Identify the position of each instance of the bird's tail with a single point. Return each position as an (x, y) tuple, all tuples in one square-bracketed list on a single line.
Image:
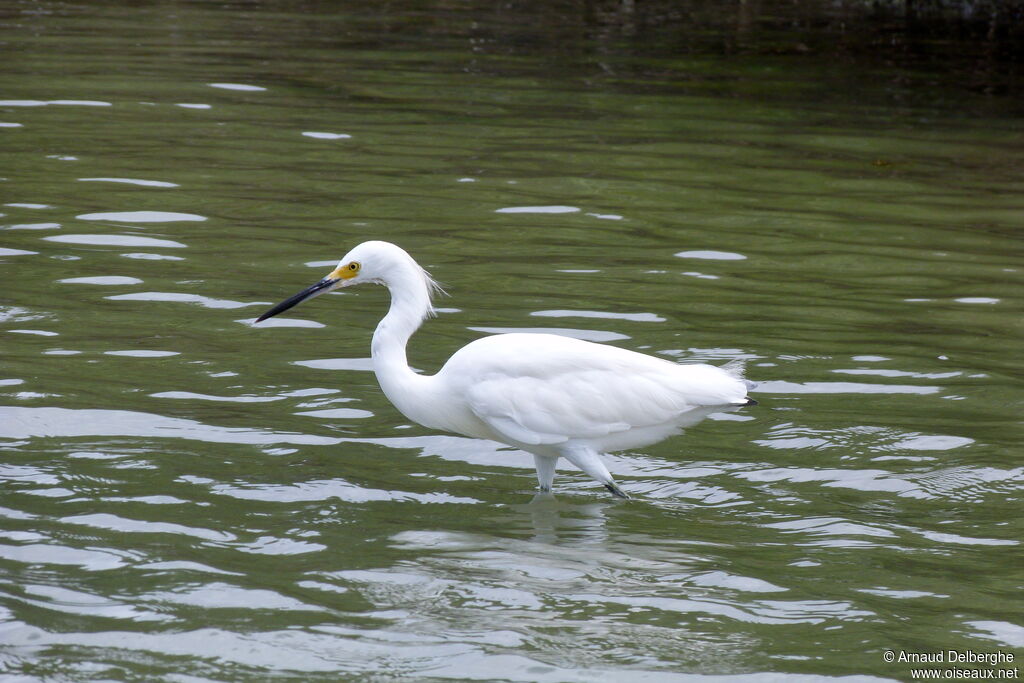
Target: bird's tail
[(737, 367)]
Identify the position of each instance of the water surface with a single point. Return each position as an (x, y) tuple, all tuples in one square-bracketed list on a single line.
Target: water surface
[(189, 497)]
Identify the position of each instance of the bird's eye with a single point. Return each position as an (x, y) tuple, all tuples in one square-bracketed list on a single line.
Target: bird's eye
[(354, 267)]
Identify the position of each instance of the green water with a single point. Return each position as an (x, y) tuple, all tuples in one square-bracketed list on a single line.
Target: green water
[(187, 497)]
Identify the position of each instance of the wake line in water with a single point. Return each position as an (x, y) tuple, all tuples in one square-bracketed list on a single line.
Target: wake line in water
[(25, 423)]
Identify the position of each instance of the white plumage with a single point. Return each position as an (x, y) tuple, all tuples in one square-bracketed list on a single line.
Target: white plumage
[(550, 395)]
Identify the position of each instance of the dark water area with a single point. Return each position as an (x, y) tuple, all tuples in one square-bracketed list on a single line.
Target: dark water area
[(897, 50), (830, 192)]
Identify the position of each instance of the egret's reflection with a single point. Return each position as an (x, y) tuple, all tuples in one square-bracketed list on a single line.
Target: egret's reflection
[(557, 521)]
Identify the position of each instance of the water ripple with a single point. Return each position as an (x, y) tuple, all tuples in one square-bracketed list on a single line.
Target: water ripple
[(128, 181), (237, 86), (24, 423), (632, 317), (333, 489), (193, 396), (357, 364), (712, 255), (43, 103), (178, 297), (538, 209), (115, 241), (141, 216), (122, 525), (85, 604), (786, 387), (107, 280), (327, 136)]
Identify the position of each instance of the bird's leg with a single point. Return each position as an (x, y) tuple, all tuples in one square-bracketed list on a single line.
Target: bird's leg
[(545, 471), (589, 460)]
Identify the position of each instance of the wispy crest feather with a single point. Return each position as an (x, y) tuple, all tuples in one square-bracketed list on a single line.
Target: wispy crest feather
[(434, 289)]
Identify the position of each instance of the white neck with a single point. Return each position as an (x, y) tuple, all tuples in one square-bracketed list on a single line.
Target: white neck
[(410, 304)]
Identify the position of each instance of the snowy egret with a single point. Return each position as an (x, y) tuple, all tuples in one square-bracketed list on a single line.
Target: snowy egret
[(546, 394)]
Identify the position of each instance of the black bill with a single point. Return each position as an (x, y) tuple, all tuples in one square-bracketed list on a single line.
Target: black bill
[(317, 289)]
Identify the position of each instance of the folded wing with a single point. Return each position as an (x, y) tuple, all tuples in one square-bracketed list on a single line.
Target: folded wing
[(547, 389)]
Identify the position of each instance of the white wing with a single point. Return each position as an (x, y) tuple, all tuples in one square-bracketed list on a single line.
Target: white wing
[(548, 389)]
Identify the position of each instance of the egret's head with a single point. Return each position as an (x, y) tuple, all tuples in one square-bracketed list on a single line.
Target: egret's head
[(375, 262)]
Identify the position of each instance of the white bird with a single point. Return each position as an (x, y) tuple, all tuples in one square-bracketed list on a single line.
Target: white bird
[(552, 396)]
